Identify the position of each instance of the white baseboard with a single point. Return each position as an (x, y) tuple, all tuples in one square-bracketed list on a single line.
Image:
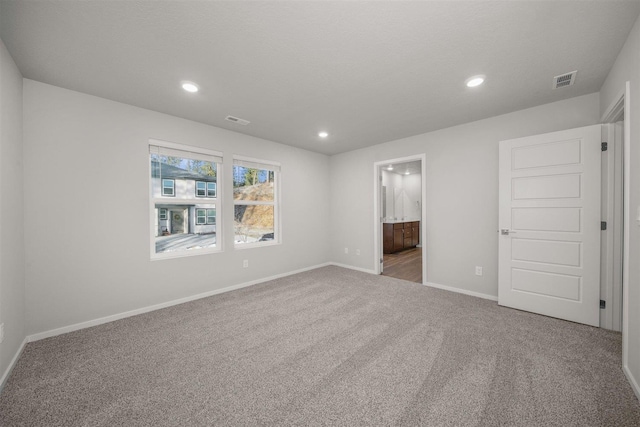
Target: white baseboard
[(351, 267), (107, 319), (462, 291), (632, 381), (7, 372), (433, 285)]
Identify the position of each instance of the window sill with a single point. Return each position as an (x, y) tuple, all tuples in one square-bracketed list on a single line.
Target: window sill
[(242, 246), (183, 254)]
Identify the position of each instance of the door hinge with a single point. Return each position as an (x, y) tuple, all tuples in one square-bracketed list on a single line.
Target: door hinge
[(604, 146), (603, 304), (603, 225)]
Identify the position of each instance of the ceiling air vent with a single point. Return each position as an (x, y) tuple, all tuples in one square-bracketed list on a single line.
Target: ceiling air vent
[(237, 120), (563, 80)]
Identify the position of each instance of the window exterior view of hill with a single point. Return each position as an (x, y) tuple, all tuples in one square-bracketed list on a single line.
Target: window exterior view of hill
[(254, 205)]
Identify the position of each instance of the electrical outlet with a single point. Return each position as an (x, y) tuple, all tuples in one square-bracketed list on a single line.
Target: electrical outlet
[(1, 332), (245, 263), (478, 271), (357, 251), (346, 250)]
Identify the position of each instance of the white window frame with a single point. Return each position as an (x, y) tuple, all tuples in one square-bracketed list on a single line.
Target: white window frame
[(189, 152), (277, 217), (162, 217)]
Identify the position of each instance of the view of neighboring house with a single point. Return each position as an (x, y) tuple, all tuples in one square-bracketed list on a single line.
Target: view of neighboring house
[(175, 183)]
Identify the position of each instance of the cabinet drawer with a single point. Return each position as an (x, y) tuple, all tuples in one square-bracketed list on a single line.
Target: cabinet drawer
[(399, 225)]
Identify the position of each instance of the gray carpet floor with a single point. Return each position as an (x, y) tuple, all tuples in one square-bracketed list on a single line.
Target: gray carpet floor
[(325, 347)]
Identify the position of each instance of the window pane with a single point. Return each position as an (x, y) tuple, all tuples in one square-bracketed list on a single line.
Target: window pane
[(253, 223), (253, 184), (184, 228), (180, 177)]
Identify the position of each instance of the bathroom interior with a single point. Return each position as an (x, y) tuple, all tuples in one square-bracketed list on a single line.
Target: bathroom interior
[(401, 194)]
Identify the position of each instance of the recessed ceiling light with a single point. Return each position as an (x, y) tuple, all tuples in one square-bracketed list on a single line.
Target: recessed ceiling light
[(323, 134), (190, 87), (390, 168), (474, 81), (406, 173)]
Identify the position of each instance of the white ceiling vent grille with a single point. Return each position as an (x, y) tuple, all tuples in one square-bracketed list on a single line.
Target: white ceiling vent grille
[(238, 120), (564, 80)]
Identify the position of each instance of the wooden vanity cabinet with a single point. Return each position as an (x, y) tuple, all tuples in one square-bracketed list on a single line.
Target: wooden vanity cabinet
[(400, 235)]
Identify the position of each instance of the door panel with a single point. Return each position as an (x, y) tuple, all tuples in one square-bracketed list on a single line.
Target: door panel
[(546, 187), (549, 259), (547, 251), (546, 219)]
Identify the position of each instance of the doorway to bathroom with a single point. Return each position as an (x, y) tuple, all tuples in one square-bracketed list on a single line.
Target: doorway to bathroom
[(400, 226)]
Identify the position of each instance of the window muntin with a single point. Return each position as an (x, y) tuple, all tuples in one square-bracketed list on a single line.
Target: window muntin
[(168, 187), (255, 195), (183, 223)]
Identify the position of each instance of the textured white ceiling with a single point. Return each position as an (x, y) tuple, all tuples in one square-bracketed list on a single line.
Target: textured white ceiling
[(367, 72)]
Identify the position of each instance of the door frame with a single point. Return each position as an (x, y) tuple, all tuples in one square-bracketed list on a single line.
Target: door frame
[(612, 212), (377, 210), (621, 107)]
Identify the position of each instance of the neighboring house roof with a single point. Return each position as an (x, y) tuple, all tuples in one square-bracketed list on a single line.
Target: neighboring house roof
[(173, 172)]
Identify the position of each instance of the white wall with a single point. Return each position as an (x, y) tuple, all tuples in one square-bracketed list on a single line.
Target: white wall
[(462, 191), (12, 304), (87, 209), (627, 68)]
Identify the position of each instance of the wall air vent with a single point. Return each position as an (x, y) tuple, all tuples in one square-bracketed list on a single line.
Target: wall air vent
[(563, 80), (237, 120)]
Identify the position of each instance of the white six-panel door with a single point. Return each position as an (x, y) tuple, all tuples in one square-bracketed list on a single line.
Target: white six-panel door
[(549, 220)]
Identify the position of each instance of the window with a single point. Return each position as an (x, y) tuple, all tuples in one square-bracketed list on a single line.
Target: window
[(211, 216), (201, 216), (201, 188), (168, 187), (180, 177), (205, 189), (211, 189), (205, 216), (256, 202)]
